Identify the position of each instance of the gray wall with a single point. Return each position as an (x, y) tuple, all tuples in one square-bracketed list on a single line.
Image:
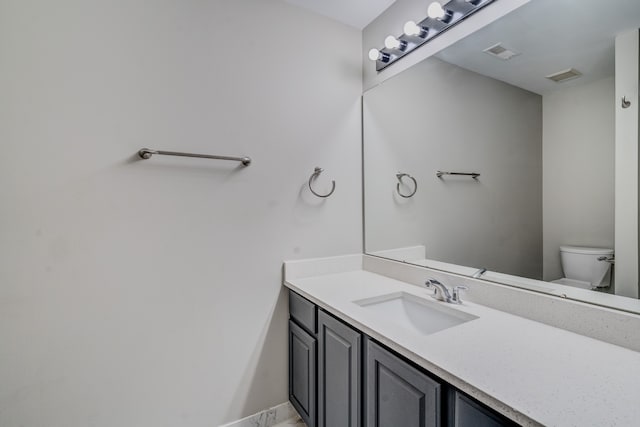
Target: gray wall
[(437, 116), (578, 170), (148, 293)]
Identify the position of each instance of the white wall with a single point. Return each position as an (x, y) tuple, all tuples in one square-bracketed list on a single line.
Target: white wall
[(392, 21), (578, 170), (437, 116), (148, 293), (627, 158)]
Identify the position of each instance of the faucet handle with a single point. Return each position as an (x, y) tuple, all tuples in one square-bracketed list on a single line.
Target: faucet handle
[(456, 294)]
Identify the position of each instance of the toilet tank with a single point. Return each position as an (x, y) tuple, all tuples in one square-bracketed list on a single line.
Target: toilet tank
[(581, 263)]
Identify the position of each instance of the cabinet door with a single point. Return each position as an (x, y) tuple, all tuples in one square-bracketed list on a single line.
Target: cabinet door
[(397, 394), (339, 373), (466, 412), (302, 373)]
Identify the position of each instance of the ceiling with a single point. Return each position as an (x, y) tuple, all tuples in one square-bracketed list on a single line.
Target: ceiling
[(355, 13), (552, 36)]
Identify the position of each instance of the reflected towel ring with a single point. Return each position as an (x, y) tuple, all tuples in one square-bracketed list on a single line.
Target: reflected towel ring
[(400, 175), (316, 172)]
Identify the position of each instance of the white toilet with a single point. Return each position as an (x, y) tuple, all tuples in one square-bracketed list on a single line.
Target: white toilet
[(582, 269)]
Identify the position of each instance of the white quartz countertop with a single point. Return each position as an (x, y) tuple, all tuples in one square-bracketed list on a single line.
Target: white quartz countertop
[(533, 373)]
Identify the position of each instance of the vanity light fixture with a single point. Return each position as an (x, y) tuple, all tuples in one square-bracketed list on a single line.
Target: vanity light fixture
[(413, 29), (376, 55), (436, 11), (393, 43), (441, 15)]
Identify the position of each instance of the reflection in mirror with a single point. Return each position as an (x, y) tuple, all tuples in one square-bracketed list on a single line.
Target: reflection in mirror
[(526, 117)]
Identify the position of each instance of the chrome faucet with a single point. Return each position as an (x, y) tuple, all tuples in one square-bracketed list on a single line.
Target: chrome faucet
[(479, 273), (441, 292)]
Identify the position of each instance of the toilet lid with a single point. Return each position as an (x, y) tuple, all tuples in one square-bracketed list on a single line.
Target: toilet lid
[(586, 251)]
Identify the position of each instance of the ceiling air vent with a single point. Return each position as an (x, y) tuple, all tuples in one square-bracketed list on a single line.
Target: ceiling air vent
[(501, 52), (563, 76)]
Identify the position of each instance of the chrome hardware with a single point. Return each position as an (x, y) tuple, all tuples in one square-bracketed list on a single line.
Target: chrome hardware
[(316, 172), (479, 273), (625, 102), (455, 298), (429, 28), (146, 153), (610, 260), (441, 292), (400, 175), (473, 175)]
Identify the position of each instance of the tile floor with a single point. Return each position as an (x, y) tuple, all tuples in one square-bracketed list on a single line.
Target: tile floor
[(292, 422)]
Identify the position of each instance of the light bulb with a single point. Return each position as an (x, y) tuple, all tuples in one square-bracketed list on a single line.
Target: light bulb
[(435, 11), (374, 54), (413, 29), (391, 42)]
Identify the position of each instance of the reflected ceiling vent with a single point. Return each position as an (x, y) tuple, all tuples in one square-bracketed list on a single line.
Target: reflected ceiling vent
[(563, 76), (501, 52)]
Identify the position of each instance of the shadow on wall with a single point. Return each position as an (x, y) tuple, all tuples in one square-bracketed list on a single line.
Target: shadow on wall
[(260, 372), (309, 207)]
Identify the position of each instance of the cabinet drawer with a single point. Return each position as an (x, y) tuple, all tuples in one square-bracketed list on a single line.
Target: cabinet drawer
[(466, 412), (303, 312)]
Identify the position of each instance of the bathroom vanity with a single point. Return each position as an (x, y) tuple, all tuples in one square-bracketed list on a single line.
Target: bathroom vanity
[(492, 175), (366, 349), (351, 371)]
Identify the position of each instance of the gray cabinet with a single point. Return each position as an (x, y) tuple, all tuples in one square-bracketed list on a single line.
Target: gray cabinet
[(303, 312), (338, 377), (397, 394), (466, 412), (302, 373), (339, 373)]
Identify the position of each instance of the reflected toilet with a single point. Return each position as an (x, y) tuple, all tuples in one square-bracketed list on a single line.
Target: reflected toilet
[(583, 269)]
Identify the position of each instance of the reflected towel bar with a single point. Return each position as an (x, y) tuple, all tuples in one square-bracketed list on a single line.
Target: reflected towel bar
[(401, 175), (146, 153), (473, 175)]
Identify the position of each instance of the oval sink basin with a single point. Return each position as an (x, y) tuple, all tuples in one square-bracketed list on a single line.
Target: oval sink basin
[(415, 313)]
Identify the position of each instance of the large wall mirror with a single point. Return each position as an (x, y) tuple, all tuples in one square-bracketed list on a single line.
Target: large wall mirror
[(512, 154)]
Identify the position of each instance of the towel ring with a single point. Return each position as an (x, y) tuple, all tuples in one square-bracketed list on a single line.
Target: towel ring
[(415, 184), (316, 172)]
